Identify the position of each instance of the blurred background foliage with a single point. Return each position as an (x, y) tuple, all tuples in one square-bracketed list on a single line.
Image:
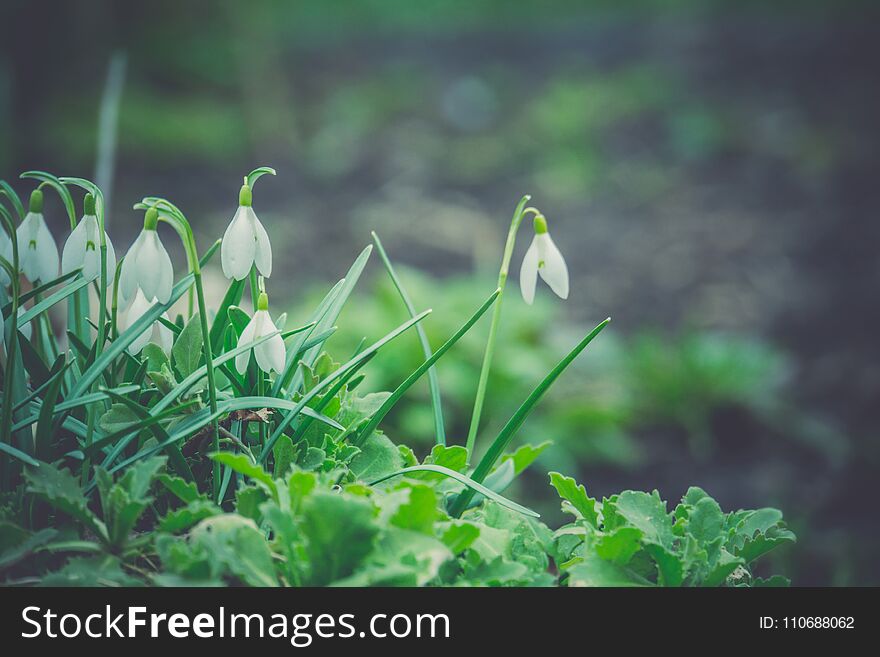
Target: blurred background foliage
[(707, 167)]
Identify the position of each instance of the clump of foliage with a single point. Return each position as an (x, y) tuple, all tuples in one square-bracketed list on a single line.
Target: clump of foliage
[(146, 451)]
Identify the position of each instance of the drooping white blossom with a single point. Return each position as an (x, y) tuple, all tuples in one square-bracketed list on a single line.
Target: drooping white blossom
[(37, 252), (147, 265), (543, 258), (270, 354), (83, 248), (156, 332), (245, 242)]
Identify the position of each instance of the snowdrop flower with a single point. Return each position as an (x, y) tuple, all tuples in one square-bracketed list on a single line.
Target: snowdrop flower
[(37, 253), (245, 242), (545, 259), (147, 265), (83, 248), (157, 333), (270, 354)]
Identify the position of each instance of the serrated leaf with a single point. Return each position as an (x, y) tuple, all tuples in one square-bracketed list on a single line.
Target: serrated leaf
[(243, 465), (593, 571), (576, 495), (419, 512), (187, 516), (459, 535), (647, 513)]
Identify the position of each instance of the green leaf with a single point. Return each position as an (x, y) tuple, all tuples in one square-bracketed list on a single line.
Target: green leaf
[(705, 520), (433, 383), (17, 543), (243, 465), (670, 569), (421, 369), (454, 457), (462, 479), (582, 505), (647, 513), (185, 517), (419, 512), (155, 357), (620, 545), (185, 491), (339, 530), (187, 349), (61, 490), (237, 546), (502, 440), (459, 535), (284, 453), (525, 455), (117, 418), (594, 571), (378, 457)]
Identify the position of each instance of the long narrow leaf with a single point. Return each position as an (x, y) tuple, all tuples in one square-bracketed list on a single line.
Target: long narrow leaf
[(496, 449), (395, 396), (51, 300), (326, 383), (433, 383), (473, 486)]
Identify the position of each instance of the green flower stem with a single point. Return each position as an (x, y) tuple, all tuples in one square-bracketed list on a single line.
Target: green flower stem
[(178, 221), (518, 215), (11, 346)]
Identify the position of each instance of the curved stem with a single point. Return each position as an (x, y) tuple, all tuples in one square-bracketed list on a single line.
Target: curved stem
[(184, 230), (9, 373), (515, 222)]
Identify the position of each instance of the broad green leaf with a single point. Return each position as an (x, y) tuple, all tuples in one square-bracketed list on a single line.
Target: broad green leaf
[(284, 453), (647, 513), (705, 520), (419, 512), (378, 457), (339, 531), (594, 571), (525, 455), (459, 535), (187, 349), (620, 545), (187, 516)]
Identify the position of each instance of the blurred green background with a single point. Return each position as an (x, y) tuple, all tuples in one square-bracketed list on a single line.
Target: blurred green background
[(708, 168)]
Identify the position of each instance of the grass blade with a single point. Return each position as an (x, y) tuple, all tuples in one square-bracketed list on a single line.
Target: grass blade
[(366, 353), (433, 383), (51, 300), (496, 449), (473, 486), (389, 403)]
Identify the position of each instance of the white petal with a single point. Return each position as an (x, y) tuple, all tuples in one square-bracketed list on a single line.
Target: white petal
[(74, 249), (270, 354), (91, 264), (239, 246), (47, 253), (138, 307), (166, 274), (554, 272), (162, 335), (111, 261), (128, 276), (241, 361), (154, 271), (263, 254), (27, 255), (528, 272)]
